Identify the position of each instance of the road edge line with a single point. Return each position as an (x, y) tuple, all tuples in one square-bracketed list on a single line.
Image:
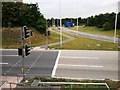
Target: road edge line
[(56, 64), (60, 77)]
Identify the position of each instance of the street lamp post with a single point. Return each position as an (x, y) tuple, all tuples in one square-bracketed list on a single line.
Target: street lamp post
[(77, 18), (77, 27), (117, 11), (115, 29), (47, 34), (60, 23), (61, 32)]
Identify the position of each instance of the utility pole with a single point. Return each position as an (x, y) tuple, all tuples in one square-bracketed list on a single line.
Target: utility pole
[(77, 18), (60, 23), (117, 11), (115, 29), (77, 27), (47, 34), (61, 32)]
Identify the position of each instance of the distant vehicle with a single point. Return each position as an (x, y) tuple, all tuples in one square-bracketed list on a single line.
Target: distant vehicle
[(59, 28), (69, 24)]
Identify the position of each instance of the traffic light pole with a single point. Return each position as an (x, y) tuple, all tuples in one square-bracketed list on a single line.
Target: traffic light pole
[(47, 35), (25, 49), (23, 55)]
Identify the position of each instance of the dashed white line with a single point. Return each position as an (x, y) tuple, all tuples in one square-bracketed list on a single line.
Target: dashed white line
[(12, 67), (7, 71), (34, 62), (70, 65), (56, 64)]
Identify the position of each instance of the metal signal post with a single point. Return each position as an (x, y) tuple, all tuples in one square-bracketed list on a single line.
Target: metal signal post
[(25, 49)]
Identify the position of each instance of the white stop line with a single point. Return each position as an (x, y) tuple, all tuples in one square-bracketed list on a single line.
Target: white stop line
[(79, 57), (70, 65), (4, 63)]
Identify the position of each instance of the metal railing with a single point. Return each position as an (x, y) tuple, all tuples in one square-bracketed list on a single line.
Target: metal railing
[(74, 83)]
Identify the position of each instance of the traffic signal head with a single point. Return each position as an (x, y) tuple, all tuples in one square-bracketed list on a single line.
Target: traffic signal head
[(48, 33), (26, 32), (31, 33), (20, 52), (27, 50)]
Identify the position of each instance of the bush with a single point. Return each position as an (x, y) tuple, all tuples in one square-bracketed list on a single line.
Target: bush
[(106, 26), (41, 25)]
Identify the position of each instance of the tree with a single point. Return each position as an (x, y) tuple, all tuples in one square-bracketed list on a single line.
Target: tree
[(41, 25), (106, 26), (99, 20), (19, 14), (91, 21)]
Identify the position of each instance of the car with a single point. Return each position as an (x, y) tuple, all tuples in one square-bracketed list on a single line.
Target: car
[(59, 28)]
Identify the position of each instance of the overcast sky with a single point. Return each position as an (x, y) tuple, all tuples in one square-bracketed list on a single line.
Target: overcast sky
[(74, 8)]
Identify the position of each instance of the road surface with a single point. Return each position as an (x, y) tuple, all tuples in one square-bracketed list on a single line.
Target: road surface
[(78, 64), (38, 63), (86, 64)]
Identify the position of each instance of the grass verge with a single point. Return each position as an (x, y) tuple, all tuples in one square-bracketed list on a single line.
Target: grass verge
[(95, 30), (82, 43), (11, 38), (112, 84)]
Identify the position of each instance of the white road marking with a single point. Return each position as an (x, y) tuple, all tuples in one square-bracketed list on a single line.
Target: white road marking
[(56, 64), (34, 62), (10, 55), (70, 65), (79, 57), (13, 67), (4, 63), (8, 71)]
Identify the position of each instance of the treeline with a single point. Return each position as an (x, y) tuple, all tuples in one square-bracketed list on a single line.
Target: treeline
[(19, 14), (56, 22), (105, 21)]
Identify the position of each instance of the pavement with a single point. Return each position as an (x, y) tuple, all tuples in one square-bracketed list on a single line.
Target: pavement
[(8, 82), (69, 38)]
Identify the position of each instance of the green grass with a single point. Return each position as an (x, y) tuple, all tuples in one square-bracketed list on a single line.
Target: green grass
[(112, 84), (94, 30), (82, 43), (11, 38)]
